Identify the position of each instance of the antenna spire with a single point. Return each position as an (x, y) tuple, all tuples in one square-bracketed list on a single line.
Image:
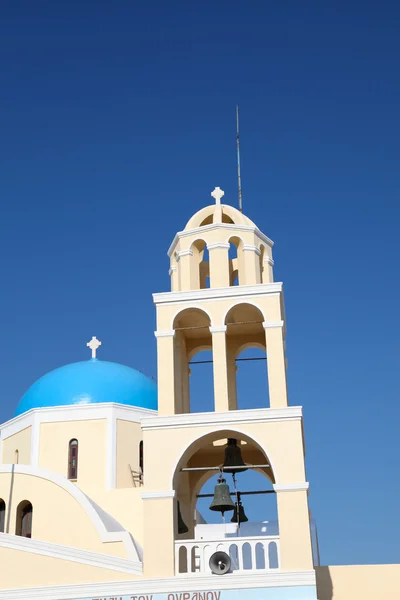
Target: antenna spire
[(240, 197)]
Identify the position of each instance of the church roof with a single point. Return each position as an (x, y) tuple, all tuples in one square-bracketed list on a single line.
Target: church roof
[(90, 382)]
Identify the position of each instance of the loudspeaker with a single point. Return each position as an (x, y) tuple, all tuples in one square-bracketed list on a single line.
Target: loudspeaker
[(220, 563)]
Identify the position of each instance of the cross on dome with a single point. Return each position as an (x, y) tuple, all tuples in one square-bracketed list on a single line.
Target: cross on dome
[(93, 345), (217, 194)]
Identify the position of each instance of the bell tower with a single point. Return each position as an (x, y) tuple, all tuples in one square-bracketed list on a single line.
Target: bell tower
[(223, 298)]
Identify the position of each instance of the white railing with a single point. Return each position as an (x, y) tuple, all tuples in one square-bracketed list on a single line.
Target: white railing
[(247, 554)]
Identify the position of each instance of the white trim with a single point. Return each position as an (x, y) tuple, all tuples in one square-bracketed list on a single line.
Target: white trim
[(161, 334), (171, 270), (271, 579), (252, 249), (35, 433), (181, 253), (272, 324), (158, 494), (269, 260), (84, 557), (231, 228), (108, 528), (218, 245), (231, 417), (218, 329), (111, 455), (233, 291), (291, 487)]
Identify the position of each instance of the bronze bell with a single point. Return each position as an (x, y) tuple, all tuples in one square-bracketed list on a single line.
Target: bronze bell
[(233, 462), (182, 527), (239, 517), (222, 501)]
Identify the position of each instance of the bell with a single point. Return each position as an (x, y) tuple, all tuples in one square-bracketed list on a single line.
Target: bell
[(182, 527), (239, 517), (233, 462), (222, 500)]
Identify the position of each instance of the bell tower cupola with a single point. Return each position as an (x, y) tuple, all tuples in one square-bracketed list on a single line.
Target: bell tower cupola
[(223, 298)]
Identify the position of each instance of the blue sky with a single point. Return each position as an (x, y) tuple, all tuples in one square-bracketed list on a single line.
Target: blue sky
[(117, 120)]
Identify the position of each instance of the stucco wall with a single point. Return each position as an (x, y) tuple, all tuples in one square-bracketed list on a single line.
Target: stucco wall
[(359, 582), (129, 435), (20, 441), (23, 569), (92, 439)]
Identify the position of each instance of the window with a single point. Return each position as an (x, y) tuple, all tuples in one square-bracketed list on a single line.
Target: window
[(141, 458), (2, 515), (24, 519), (73, 460)]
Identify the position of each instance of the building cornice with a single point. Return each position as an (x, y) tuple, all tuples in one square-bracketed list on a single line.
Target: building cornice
[(291, 487), (152, 495), (229, 227), (234, 291), (232, 417), (272, 579)]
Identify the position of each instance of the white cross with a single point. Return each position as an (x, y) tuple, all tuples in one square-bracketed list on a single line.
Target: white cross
[(217, 194), (93, 345)]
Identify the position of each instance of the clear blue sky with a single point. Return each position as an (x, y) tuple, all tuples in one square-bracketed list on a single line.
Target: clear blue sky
[(117, 119)]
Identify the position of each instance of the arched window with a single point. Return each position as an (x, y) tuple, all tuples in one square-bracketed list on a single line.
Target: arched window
[(141, 462), (24, 519), (2, 515), (73, 459)]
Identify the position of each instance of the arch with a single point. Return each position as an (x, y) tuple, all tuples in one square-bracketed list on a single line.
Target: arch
[(23, 526), (199, 265), (73, 447), (108, 528), (230, 215), (181, 310), (236, 261), (141, 459), (261, 257), (248, 302), (216, 434), (2, 515), (192, 335)]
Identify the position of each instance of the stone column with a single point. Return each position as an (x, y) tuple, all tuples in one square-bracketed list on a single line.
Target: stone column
[(166, 371), (276, 364), (158, 534), (219, 264), (221, 397), (295, 550)]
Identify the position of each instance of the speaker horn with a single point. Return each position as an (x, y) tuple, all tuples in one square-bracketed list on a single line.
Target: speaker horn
[(220, 563)]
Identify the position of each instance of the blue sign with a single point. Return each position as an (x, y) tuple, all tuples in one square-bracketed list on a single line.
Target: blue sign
[(302, 592)]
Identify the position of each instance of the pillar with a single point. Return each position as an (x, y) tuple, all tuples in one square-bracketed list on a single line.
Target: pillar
[(220, 371), (276, 364), (251, 265), (232, 369), (219, 264), (185, 264), (158, 534), (295, 550), (268, 273), (165, 370)]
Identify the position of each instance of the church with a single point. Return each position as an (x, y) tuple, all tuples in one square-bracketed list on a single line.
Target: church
[(89, 507)]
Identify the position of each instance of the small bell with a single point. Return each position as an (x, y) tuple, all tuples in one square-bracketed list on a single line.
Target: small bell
[(182, 527), (239, 517), (222, 501), (233, 462)]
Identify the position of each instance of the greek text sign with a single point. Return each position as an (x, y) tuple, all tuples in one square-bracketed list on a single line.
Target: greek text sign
[(275, 593)]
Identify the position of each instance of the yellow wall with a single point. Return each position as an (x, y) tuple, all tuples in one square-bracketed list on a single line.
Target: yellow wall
[(359, 582), (20, 441), (91, 436), (23, 569), (57, 515), (128, 437)]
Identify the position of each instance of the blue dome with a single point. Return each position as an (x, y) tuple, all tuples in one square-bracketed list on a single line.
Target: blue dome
[(90, 382)]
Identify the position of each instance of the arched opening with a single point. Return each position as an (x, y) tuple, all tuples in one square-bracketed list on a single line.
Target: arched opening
[(199, 265), (194, 482), (246, 357), (235, 261), (262, 255), (141, 460), (73, 459), (192, 343), (2, 515), (24, 519)]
